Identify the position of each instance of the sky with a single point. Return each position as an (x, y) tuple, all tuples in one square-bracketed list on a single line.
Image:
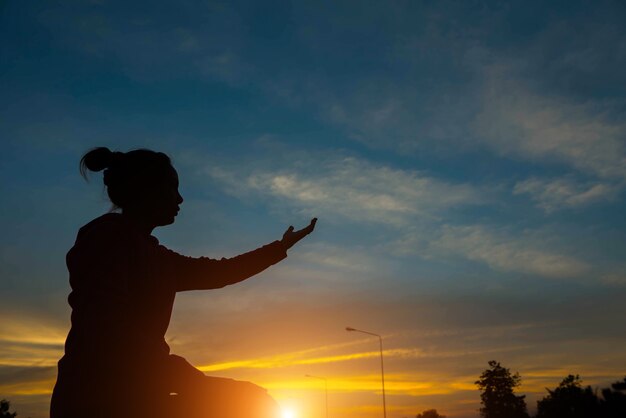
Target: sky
[(466, 161)]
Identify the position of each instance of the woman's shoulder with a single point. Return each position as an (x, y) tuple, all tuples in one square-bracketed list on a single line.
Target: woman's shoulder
[(109, 225), (103, 222), (99, 237), (109, 237), (113, 226)]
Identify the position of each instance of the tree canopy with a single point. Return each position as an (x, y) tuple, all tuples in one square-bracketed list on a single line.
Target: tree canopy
[(498, 399), (613, 404), (430, 413), (569, 400), (4, 409)]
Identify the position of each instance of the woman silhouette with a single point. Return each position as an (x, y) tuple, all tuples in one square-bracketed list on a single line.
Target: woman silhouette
[(116, 362)]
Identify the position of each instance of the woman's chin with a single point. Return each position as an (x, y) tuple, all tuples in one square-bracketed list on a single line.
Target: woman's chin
[(167, 221)]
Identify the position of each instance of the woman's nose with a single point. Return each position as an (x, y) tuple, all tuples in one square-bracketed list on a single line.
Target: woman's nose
[(180, 198)]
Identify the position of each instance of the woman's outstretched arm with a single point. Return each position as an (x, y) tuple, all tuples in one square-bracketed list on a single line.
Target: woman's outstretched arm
[(191, 273)]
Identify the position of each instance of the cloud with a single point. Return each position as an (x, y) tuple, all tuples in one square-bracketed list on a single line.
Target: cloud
[(418, 208), (354, 189), (30, 341), (29, 354), (553, 99), (617, 279), (357, 260), (515, 120), (561, 193), (286, 359), (305, 358), (504, 252), (395, 384), (27, 380)]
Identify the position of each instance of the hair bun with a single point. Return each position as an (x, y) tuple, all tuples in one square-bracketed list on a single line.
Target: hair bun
[(98, 159)]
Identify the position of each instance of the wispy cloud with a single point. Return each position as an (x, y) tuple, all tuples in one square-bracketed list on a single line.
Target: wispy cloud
[(27, 380), (517, 121), (396, 384), (347, 259), (355, 189), (282, 359), (505, 252), (30, 342), (616, 278), (289, 360), (419, 209), (554, 194), (311, 357)]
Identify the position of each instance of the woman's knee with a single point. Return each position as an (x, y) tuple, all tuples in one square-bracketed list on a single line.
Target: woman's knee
[(227, 397)]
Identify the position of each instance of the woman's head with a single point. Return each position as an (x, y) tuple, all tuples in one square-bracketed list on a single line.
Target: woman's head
[(140, 182)]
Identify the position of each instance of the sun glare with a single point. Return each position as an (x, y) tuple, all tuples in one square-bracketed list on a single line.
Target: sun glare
[(288, 413)]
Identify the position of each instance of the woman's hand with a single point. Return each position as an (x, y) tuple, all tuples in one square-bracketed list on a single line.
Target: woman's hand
[(290, 237)]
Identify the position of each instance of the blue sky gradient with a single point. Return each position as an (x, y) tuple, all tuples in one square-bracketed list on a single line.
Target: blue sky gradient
[(466, 161)]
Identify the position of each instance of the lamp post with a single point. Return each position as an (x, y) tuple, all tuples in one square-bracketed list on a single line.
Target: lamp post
[(325, 388), (382, 368)]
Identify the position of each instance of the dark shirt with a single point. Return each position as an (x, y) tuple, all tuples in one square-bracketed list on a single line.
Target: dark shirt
[(123, 287)]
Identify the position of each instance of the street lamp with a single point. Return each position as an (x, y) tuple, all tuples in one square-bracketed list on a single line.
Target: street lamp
[(382, 368), (325, 388)]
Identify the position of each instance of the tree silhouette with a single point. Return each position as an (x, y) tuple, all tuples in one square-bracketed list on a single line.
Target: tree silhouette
[(430, 413), (4, 409), (613, 404), (569, 400), (497, 397)]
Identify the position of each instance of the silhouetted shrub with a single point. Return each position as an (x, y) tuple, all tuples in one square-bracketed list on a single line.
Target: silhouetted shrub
[(4, 409), (613, 404), (569, 400), (430, 413), (498, 399)]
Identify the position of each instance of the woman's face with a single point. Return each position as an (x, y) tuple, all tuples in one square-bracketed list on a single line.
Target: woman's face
[(161, 202)]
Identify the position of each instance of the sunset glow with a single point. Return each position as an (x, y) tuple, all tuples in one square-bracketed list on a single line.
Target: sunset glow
[(466, 162), (288, 413)]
